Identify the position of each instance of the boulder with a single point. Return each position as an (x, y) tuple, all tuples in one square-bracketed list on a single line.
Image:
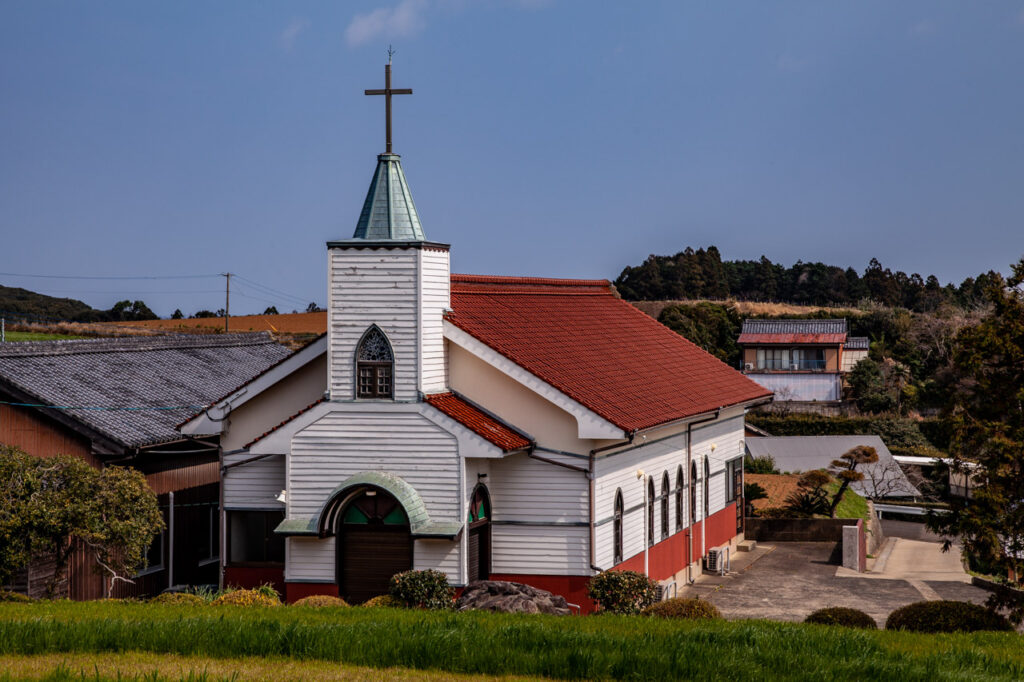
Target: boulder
[(506, 597)]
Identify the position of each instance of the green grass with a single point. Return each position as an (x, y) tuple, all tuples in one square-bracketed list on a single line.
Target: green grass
[(38, 336), (852, 506), (604, 647)]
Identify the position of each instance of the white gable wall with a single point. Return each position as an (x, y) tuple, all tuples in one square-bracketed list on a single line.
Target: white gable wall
[(435, 297)]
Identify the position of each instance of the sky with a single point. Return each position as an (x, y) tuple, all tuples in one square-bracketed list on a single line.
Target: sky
[(544, 137)]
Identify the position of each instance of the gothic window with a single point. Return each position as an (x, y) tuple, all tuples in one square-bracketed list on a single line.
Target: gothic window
[(707, 479), (650, 512), (693, 492), (664, 505), (375, 366), (617, 541), (679, 498)]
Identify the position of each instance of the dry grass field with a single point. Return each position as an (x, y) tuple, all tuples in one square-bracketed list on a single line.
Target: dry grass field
[(654, 308), (287, 323)]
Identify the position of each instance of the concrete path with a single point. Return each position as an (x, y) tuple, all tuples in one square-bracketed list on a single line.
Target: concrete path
[(913, 560)]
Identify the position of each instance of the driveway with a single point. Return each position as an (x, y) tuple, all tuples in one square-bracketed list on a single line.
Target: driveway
[(789, 580)]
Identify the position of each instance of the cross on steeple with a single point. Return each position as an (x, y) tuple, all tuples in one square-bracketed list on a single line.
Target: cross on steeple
[(387, 92)]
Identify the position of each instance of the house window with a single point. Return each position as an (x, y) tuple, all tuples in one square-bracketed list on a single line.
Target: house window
[(679, 498), (693, 492), (208, 530), (707, 480), (252, 537), (154, 556), (375, 366), (617, 541), (809, 358), (732, 467), (664, 505), (773, 358), (650, 512)]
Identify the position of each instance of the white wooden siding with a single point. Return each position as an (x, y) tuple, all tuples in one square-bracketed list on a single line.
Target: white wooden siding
[(435, 297), (358, 438), (727, 436), (374, 286), (537, 550), (254, 485), (524, 489), (310, 559), (440, 555)]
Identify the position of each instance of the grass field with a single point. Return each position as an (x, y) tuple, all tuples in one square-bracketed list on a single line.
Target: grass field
[(595, 647), (38, 336)]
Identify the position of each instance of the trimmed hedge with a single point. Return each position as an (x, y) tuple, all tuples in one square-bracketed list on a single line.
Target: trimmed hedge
[(681, 607), (900, 432), (427, 589), (321, 601), (178, 598), (623, 592), (8, 596), (946, 616), (843, 617), (257, 597), (383, 601)]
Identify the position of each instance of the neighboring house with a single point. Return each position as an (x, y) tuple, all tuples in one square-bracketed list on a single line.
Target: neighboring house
[(526, 429), (117, 401), (798, 454), (800, 360)]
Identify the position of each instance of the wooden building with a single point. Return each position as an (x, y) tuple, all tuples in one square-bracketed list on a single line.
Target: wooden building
[(117, 401)]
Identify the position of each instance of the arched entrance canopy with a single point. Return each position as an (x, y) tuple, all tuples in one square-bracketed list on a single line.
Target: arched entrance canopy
[(324, 523)]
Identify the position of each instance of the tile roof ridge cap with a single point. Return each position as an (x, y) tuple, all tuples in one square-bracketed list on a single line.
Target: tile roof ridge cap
[(541, 281)]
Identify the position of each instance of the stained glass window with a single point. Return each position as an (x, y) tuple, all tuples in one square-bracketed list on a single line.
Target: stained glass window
[(375, 507), (479, 506), (375, 365)]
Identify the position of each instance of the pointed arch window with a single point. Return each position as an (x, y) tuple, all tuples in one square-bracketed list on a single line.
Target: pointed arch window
[(679, 498), (693, 492), (707, 479), (375, 365), (650, 512), (664, 505), (617, 525)]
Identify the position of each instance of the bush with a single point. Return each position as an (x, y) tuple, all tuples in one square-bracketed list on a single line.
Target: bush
[(843, 617), (945, 616), (383, 601), (8, 596), (683, 608), (760, 465), (257, 597), (422, 589), (321, 600), (178, 598), (622, 591)]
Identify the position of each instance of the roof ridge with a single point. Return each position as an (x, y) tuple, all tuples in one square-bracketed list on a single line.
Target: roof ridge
[(132, 344), (540, 281)]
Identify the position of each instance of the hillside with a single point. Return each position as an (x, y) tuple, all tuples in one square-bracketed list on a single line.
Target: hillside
[(40, 306)]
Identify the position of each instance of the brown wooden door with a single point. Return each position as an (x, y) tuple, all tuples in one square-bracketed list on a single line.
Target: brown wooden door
[(368, 557), (479, 560)]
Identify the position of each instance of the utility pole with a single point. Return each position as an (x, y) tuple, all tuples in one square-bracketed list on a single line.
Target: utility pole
[(227, 298), (3, 329)]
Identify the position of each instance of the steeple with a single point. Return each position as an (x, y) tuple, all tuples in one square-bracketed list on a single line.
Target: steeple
[(389, 212)]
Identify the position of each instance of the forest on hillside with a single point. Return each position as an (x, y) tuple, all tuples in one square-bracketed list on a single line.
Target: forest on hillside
[(21, 304), (702, 274)]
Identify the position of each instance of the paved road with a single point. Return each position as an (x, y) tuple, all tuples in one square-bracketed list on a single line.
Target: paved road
[(792, 579)]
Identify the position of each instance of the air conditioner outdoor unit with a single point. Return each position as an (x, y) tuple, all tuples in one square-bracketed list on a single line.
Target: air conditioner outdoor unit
[(715, 561), (748, 366), (667, 590), (794, 366)]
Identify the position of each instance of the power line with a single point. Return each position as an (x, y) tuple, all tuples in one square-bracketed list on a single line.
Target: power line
[(91, 276), (271, 290)]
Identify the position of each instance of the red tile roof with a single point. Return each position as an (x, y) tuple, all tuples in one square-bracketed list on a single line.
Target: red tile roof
[(478, 421), (578, 336), (771, 339)]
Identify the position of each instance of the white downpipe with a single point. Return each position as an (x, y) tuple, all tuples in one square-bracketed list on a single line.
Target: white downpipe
[(643, 481), (704, 519), (170, 540)]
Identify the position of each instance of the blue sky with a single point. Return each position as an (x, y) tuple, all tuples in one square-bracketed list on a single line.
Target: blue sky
[(550, 138)]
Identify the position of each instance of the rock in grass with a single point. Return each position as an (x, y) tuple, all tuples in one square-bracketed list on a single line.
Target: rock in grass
[(507, 597)]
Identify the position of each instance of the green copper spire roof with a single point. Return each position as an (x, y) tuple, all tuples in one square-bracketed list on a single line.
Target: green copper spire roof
[(389, 211)]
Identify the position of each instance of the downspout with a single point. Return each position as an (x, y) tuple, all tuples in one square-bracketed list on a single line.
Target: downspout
[(693, 491), (221, 520), (591, 458), (170, 544)]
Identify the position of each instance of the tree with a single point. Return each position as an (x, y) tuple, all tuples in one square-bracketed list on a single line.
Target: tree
[(131, 310), (177, 314), (52, 505), (711, 326), (811, 495), (272, 310), (314, 308), (845, 469), (204, 313), (987, 417)]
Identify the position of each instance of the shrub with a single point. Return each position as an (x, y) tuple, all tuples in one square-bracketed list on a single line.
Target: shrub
[(427, 589), (383, 601), (945, 616), (622, 591), (8, 596), (764, 464), (178, 598), (843, 617), (321, 600), (683, 608), (257, 597)]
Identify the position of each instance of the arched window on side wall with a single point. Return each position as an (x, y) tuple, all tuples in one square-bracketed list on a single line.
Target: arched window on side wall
[(707, 478), (679, 498), (375, 365), (617, 529), (650, 512), (693, 492), (664, 505)]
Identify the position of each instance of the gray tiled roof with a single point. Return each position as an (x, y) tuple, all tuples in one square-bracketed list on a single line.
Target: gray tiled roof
[(857, 343), (794, 326), (182, 371)]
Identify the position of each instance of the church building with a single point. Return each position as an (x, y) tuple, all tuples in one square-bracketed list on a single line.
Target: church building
[(513, 428)]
